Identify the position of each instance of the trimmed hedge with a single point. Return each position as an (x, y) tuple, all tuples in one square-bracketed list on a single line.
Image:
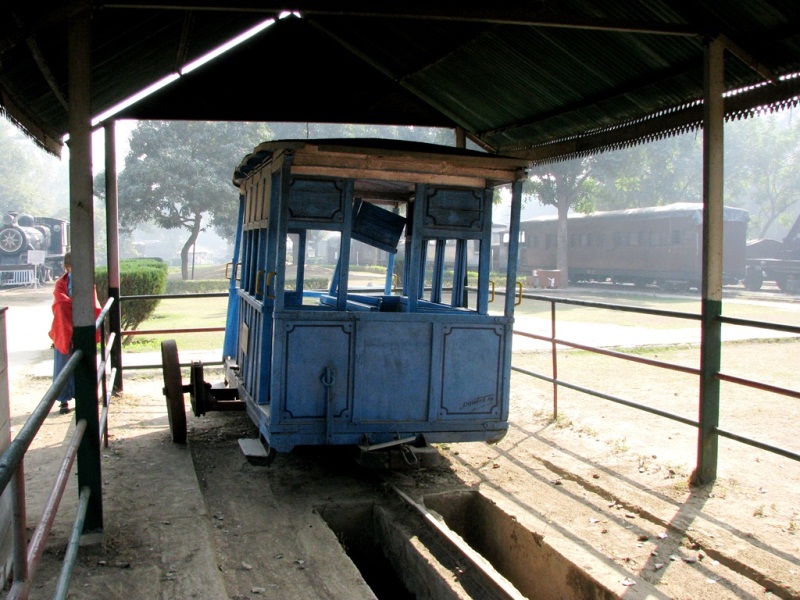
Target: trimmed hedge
[(211, 286), (197, 286), (137, 277)]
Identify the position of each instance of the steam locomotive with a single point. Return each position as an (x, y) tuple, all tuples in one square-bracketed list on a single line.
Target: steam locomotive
[(21, 233)]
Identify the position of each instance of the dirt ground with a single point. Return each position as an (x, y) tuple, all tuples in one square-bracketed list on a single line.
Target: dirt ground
[(605, 485)]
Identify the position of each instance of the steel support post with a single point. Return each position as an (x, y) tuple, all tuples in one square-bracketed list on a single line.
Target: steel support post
[(82, 232), (711, 339), (112, 241)]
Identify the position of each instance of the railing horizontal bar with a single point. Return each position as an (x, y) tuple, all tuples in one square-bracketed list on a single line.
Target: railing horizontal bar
[(182, 365), (759, 386), (760, 324), (109, 344), (103, 422), (171, 296), (71, 555), (98, 322), (591, 392), (16, 450), (42, 531), (757, 444), (162, 331), (613, 353), (101, 371), (605, 305)]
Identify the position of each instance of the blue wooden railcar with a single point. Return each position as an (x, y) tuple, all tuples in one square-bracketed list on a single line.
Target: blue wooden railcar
[(419, 357)]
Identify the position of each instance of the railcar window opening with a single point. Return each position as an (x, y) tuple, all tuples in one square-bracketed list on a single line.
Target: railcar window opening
[(675, 237), (446, 274), (522, 242)]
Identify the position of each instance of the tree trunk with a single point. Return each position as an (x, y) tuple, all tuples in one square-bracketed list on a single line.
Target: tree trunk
[(195, 232), (562, 260)]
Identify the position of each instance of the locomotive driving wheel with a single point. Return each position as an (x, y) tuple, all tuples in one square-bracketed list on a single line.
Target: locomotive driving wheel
[(11, 240), (173, 390)]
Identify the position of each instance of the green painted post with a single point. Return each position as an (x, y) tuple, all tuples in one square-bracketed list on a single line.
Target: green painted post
[(708, 439), (82, 244), (86, 407), (711, 338)]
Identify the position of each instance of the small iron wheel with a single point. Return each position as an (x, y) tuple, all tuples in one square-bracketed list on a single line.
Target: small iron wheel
[(173, 390)]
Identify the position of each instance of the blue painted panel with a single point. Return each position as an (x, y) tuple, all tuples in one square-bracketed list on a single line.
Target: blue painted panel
[(313, 200), (454, 209), (377, 227), (309, 349), (392, 371), (472, 366)]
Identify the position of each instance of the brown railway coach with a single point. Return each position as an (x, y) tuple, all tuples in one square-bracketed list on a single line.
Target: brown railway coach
[(659, 245)]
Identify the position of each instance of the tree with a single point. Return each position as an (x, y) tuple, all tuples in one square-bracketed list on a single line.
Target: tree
[(565, 185), (652, 174), (763, 160), (31, 181), (177, 175)]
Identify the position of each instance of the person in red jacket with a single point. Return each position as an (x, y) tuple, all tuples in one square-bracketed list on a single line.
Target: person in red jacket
[(61, 331)]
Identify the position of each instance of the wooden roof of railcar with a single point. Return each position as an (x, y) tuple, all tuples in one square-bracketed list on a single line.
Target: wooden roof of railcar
[(386, 165)]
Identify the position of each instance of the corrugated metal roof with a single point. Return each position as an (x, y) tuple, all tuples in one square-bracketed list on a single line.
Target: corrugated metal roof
[(540, 79)]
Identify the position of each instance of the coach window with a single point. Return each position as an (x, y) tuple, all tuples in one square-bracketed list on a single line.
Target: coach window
[(676, 237)]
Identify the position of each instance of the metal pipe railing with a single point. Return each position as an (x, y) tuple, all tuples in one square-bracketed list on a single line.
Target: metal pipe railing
[(21, 588), (555, 342), (27, 555), (15, 453), (71, 556)]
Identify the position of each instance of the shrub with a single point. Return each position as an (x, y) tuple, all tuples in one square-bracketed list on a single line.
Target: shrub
[(197, 286), (137, 277)]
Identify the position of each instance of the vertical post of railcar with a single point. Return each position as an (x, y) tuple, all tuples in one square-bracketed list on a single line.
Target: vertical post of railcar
[(231, 340), (344, 240), (414, 250), (485, 255), (387, 286), (112, 241), (711, 338), (82, 219), (513, 247)]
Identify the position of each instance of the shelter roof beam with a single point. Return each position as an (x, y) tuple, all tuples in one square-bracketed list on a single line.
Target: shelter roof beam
[(438, 10)]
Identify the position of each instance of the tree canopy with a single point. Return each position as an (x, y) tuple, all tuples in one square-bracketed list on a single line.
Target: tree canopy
[(762, 156), (177, 176), (31, 181)]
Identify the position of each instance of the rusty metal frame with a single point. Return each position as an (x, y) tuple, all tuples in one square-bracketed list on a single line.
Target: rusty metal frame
[(718, 376)]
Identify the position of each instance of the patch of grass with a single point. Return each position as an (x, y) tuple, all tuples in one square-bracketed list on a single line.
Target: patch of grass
[(182, 313), (619, 446), (682, 485), (562, 421)]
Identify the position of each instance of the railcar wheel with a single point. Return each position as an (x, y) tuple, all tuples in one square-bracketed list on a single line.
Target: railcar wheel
[(173, 390), (753, 279)]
